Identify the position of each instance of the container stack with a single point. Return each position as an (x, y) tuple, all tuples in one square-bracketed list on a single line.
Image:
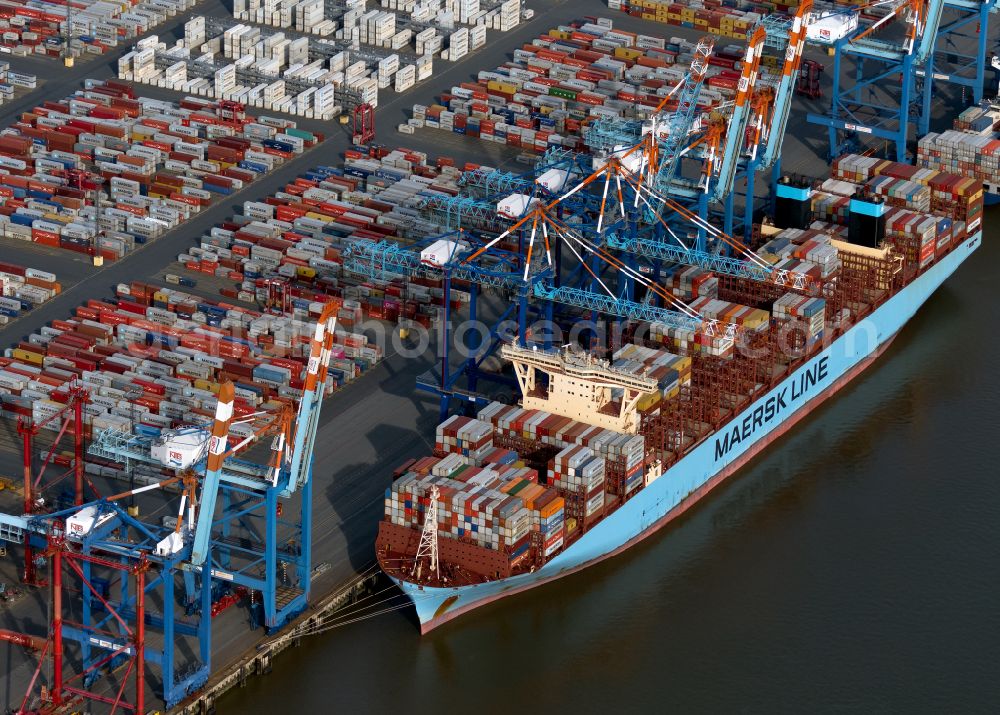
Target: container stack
[(578, 474), (23, 289), (803, 315), (968, 153), (569, 76), (466, 436), (472, 505), (157, 163), (299, 235), (732, 313), (671, 372), (248, 57), (37, 27), (957, 196), (689, 342), (690, 282), (178, 348), (458, 45), (303, 16), (11, 81)]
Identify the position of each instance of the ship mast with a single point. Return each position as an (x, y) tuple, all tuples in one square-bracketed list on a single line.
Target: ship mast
[(429, 537)]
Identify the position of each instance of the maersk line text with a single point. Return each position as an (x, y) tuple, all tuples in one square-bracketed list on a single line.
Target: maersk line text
[(772, 407)]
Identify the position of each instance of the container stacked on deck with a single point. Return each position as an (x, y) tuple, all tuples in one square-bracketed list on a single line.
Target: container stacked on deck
[(670, 371), (571, 75), (690, 282), (158, 162), (733, 313), (690, 341), (299, 235), (466, 436), (496, 507), (901, 192), (806, 251), (483, 493), (955, 205), (623, 454), (38, 26), (176, 349), (968, 153), (955, 195), (801, 314), (578, 474), (24, 288)]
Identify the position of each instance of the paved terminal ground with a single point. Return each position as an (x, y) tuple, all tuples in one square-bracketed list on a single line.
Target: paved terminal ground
[(374, 424)]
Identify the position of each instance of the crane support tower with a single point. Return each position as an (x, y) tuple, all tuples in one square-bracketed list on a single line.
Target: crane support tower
[(364, 124)]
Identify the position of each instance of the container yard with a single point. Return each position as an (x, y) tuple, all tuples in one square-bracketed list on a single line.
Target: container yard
[(553, 86), (39, 27), (161, 163), (294, 72), (289, 249), (226, 419)]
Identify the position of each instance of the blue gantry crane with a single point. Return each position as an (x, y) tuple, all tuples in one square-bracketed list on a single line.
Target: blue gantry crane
[(883, 87), (241, 524)]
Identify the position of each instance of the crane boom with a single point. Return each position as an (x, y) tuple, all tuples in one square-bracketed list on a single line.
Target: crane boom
[(213, 472), (786, 87), (928, 33), (307, 418), (678, 125), (736, 131)]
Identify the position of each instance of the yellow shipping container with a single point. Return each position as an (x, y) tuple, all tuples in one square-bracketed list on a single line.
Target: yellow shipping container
[(161, 296), (305, 272), (648, 401), (209, 385), (319, 217), (627, 53), (27, 356), (504, 87)]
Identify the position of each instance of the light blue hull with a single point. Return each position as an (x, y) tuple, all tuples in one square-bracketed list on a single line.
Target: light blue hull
[(715, 458)]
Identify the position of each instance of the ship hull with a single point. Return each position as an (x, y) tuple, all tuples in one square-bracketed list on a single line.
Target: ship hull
[(714, 459)]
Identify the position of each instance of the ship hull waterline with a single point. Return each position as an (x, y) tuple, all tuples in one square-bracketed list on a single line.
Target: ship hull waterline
[(714, 459)]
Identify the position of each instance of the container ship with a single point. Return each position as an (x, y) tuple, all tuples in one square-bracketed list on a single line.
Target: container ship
[(607, 447)]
